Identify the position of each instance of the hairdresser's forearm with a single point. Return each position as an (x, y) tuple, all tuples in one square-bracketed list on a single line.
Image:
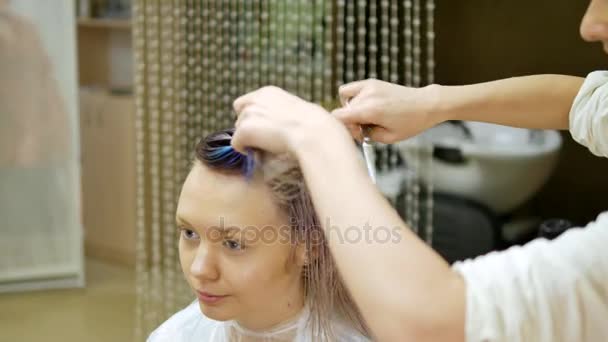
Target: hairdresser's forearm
[(539, 101), (403, 288)]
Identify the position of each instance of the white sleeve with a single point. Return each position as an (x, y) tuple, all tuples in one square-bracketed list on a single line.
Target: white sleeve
[(589, 114), (544, 291)]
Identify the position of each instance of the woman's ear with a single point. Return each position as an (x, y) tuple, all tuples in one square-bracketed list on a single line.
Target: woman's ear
[(302, 255), (306, 255), (306, 249)]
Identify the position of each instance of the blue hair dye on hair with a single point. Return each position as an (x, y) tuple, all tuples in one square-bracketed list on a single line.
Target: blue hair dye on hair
[(249, 165), (222, 156), (216, 151)]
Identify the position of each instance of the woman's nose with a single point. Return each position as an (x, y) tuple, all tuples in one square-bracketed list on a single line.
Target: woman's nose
[(594, 26), (204, 265)]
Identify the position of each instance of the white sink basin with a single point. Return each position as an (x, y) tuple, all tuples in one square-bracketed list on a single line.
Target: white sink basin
[(501, 167)]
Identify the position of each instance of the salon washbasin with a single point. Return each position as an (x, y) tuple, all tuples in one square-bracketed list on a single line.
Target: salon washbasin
[(498, 166)]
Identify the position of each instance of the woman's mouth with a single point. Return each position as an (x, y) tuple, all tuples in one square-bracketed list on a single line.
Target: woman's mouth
[(209, 298)]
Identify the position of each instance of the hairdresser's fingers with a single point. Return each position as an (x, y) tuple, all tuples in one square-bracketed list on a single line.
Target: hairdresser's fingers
[(355, 131), (361, 114), (248, 99), (248, 111), (382, 135), (256, 132), (266, 94), (243, 101), (377, 134), (350, 90)]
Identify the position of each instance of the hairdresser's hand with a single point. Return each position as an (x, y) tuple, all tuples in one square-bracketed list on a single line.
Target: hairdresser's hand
[(398, 112), (276, 121)]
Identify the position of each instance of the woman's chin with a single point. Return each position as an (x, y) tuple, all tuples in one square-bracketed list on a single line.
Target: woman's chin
[(217, 313)]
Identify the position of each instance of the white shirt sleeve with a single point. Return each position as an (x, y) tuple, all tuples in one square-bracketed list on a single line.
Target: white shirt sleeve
[(548, 290), (589, 114), (545, 291)]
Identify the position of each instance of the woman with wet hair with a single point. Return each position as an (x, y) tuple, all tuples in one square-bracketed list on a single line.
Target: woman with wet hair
[(252, 251)]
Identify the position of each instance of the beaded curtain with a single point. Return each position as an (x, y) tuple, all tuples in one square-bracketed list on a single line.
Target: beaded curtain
[(194, 57)]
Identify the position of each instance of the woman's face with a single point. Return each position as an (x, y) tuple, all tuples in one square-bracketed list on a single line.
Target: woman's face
[(235, 250), (594, 27)]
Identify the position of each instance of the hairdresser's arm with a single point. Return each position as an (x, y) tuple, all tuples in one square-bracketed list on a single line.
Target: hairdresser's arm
[(539, 101), (405, 290)]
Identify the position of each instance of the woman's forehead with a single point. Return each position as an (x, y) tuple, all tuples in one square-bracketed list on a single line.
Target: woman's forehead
[(212, 198)]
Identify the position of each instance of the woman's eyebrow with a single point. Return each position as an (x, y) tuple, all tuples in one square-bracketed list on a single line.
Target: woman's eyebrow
[(223, 230), (181, 221), (230, 231)]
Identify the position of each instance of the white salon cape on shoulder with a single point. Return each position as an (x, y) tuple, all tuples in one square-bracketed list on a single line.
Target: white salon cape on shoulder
[(190, 325), (549, 291)]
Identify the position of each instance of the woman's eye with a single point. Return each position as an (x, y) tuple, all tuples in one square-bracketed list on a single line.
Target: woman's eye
[(233, 245), (189, 234)]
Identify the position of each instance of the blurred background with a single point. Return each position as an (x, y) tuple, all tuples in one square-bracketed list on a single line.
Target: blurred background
[(101, 101)]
